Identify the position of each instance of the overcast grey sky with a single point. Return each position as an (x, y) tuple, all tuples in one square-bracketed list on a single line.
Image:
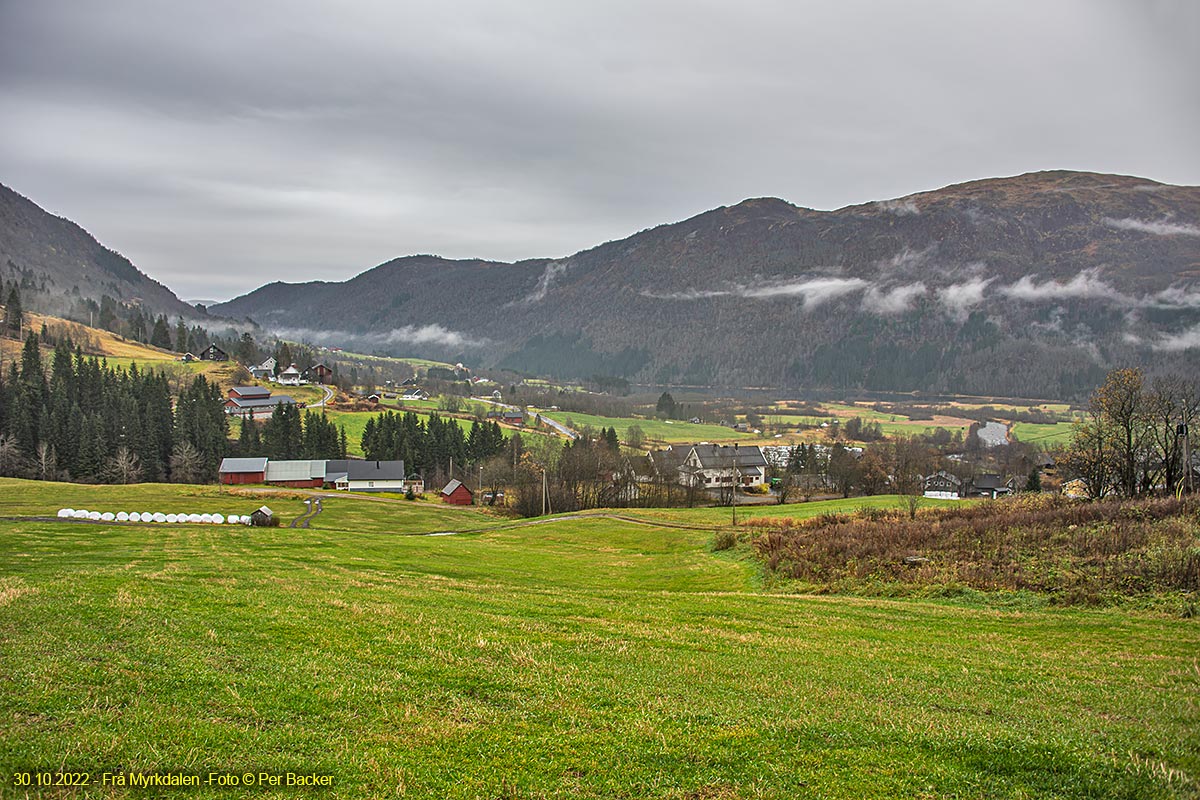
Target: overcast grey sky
[(221, 145)]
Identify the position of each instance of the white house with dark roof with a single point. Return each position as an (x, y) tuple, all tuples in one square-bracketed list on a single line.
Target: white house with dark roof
[(290, 377), (942, 485), (366, 476), (714, 466)]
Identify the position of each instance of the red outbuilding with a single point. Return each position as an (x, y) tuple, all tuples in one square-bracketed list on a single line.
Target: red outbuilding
[(457, 494), (243, 470)]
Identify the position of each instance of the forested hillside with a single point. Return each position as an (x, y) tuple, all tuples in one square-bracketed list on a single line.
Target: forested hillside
[(61, 269), (1030, 286)]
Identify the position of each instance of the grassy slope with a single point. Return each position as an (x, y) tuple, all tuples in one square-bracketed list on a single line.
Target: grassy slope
[(571, 659), (721, 516), (1043, 435)]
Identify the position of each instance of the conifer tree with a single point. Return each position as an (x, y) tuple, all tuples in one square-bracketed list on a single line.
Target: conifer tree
[(249, 443), (161, 335), (181, 336), (14, 317)]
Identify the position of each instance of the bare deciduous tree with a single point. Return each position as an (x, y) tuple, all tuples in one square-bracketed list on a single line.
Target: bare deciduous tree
[(124, 467), (45, 463), (11, 462), (186, 463)]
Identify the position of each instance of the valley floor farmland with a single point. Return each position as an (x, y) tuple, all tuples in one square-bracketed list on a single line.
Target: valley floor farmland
[(575, 658)]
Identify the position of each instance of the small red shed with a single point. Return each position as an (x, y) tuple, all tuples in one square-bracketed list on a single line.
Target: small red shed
[(456, 493)]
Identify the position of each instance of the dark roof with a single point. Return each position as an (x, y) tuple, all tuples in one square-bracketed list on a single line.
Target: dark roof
[(714, 456), (669, 459), (374, 470), (261, 402), (988, 482), (252, 391), (943, 476)]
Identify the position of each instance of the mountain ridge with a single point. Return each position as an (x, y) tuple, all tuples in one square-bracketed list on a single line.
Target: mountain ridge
[(1058, 274), (56, 261), (992, 286)]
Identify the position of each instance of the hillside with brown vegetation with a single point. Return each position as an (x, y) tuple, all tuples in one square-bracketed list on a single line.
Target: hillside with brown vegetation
[(1072, 551)]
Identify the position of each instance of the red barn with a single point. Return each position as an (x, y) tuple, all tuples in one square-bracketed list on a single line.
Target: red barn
[(457, 494), (243, 470), (321, 373)]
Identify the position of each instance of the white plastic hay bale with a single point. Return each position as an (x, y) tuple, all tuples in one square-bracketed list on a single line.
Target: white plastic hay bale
[(233, 519), (64, 513), (172, 518), (160, 517), (80, 513), (108, 516), (93, 515), (218, 519), (122, 516), (135, 517), (206, 519), (193, 518), (181, 518)]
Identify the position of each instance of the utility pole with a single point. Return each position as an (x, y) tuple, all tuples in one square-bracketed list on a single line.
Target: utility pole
[(1182, 430), (735, 483)]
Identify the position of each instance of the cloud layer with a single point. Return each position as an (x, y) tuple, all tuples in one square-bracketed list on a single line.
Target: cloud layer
[(1160, 228), (406, 335), (222, 145), (960, 298)]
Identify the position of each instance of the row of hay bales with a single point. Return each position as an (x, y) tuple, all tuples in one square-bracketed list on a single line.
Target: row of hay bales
[(152, 516)]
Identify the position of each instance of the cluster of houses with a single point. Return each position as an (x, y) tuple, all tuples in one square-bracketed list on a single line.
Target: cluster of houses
[(291, 375), (210, 353), (347, 474), (713, 466)]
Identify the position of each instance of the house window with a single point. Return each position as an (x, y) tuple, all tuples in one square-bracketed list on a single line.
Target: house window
[(370, 484)]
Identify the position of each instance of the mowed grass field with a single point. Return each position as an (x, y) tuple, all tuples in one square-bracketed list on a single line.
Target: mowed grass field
[(1043, 435), (567, 659), (723, 515)]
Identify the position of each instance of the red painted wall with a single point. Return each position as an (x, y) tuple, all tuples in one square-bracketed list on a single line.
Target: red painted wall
[(461, 496), (231, 478)]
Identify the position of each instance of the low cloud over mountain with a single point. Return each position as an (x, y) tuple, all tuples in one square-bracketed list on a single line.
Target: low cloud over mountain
[(1028, 285)]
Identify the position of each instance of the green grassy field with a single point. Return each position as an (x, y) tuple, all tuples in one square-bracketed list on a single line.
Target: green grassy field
[(723, 515), (656, 430), (420, 363), (1043, 435), (570, 659)]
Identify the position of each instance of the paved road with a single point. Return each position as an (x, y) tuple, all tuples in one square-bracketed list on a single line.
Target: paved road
[(558, 426), (329, 393)]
